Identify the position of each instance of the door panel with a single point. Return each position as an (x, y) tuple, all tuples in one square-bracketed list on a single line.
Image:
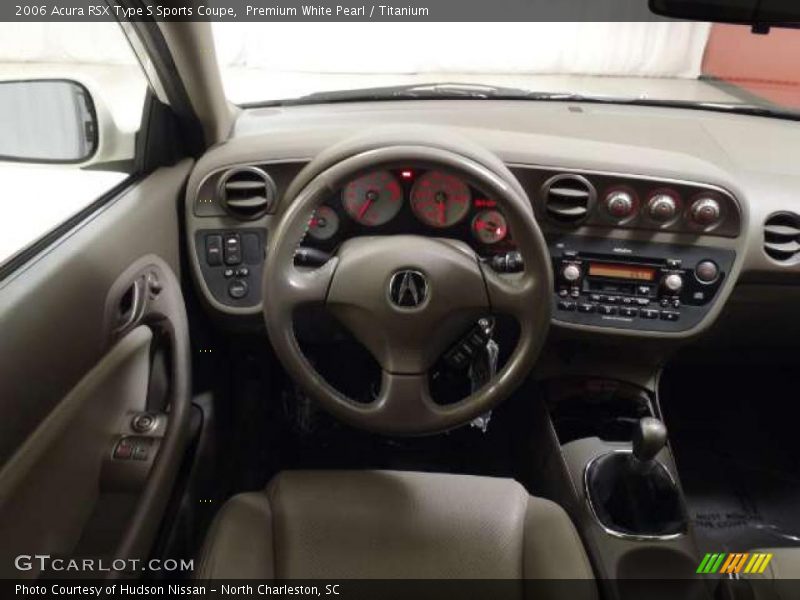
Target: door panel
[(92, 333), (50, 486)]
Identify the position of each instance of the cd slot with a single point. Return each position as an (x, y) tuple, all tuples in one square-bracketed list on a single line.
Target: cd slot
[(615, 286)]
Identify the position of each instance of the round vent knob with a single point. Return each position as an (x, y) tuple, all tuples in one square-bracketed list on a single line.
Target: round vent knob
[(619, 205), (247, 193), (568, 198), (705, 212), (782, 237), (662, 208)]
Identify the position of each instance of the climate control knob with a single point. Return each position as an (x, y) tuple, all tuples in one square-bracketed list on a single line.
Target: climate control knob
[(672, 283), (571, 273), (705, 211), (662, 208), (619, 205)]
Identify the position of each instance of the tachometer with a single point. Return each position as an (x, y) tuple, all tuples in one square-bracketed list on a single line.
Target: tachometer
[(440, 199), (489, 226), (324, 223), (373, 199)]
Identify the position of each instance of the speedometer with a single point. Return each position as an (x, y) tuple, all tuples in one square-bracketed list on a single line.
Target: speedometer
[(373, 199), (440, 199)]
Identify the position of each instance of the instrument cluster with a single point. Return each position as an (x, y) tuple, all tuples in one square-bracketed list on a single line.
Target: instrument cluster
[(411, 200)]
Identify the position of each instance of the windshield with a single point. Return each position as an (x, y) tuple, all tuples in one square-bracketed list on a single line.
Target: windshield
[(659, 61)]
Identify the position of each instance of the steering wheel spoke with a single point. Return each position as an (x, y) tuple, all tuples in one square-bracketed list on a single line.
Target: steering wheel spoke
[(405, 404), (511, 294), (309, 285)]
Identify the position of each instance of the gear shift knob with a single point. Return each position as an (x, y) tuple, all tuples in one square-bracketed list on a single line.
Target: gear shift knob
[(649, 438)]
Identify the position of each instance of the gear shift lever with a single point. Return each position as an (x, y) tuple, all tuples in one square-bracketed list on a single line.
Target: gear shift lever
[(649, 438), (635, 493)]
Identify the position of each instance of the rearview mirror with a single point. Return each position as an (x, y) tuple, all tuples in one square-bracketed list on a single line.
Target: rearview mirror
[(759, 13), (47, 121)]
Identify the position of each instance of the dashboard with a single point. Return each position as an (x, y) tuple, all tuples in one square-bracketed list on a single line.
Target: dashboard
[(652, 215)]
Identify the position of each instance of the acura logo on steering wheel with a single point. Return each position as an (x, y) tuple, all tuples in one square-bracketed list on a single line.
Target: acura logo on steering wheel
[(408, 289)]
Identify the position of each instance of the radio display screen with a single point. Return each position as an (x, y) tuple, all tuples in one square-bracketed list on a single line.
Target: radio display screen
[(618, 271)]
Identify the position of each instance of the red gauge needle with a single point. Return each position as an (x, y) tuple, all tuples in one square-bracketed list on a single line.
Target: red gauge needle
[(364, 208), (441, 204)]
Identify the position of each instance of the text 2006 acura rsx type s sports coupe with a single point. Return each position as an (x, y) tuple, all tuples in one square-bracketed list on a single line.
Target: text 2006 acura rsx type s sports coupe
[(401, 308)]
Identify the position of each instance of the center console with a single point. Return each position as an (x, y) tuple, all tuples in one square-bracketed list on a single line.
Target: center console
[(605, 457), (607, 282)]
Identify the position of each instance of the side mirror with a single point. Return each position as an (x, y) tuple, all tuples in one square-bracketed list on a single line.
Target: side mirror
[(47, 121)]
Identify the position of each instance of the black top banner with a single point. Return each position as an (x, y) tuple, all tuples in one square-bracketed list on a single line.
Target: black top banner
[(327, 10)]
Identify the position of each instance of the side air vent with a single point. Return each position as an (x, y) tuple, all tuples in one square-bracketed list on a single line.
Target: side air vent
[(568, 198), (247, 193), (782, 236)]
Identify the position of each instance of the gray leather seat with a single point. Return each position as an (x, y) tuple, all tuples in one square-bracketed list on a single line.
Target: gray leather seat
[(389, 524)]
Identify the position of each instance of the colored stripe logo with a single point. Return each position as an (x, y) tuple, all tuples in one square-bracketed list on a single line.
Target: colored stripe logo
[(734, 563)]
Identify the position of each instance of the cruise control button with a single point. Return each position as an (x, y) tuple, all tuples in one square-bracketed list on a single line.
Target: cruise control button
[(586, 308), (237, 289), (668, 315)]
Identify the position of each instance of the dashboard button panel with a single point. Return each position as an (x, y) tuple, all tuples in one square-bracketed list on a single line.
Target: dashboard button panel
[(233, 273)]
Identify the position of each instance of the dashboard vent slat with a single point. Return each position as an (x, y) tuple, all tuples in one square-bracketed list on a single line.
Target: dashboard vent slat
[(244, 185), (247, 192), (780, 231), (569, 192), (782, 237), (568, 198)]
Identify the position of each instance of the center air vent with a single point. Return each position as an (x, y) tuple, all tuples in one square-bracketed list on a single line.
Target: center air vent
[(247, 192), (782, 236), (568, 198)]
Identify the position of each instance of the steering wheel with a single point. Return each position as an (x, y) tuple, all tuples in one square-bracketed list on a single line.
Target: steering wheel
[(449, 288)]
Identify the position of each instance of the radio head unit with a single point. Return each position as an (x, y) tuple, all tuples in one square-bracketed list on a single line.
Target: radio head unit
[(635, 285)]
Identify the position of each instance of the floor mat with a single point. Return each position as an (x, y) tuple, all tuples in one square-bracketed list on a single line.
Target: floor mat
[(737, 457), (735, 507)]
